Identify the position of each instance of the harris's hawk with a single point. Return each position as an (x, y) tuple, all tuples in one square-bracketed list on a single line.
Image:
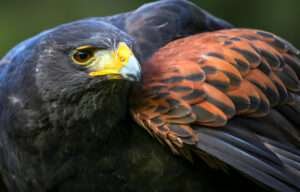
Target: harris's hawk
[(63, 104), (64, 95)]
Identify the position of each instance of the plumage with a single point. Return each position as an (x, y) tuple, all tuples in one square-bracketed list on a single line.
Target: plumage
[(63, 129), (155, 24), (228, 96), (246, 113)]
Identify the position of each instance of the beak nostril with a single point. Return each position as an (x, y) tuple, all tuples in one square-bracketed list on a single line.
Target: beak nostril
[(122, 59)]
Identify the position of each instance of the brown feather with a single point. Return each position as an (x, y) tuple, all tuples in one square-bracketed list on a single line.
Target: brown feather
[(209, 78)]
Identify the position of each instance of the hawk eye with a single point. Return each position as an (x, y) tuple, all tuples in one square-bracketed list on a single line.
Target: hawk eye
[(83, 55)]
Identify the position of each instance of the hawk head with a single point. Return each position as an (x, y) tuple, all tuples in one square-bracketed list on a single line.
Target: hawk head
[(77, 73), (63, 93)]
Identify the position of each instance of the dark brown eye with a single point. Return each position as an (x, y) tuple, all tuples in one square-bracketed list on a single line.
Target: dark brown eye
[(83, 56)]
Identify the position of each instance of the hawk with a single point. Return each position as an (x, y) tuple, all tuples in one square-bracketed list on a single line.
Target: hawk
[(65, 95)]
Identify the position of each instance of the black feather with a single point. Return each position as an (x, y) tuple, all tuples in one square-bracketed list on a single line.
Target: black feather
[(248, 153)]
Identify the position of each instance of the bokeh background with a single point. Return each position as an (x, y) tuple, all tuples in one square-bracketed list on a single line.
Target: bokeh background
[(20, 19)]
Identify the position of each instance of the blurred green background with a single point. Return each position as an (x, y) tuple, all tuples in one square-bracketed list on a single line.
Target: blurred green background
[(20, 19)]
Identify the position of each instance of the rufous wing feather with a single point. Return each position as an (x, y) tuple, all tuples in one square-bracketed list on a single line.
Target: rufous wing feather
[(220, 93)]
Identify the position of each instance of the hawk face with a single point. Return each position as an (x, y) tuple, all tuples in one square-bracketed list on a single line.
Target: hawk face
[(83, 71)]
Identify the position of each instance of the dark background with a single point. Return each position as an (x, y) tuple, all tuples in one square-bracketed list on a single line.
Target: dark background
[(20, 19)]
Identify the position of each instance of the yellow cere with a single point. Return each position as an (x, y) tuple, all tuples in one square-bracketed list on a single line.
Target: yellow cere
[(124, 52), (112, 62)]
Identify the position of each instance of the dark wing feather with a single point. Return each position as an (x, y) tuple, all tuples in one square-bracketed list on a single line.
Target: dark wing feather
[(233, 94), (155, 24), (253, 156)]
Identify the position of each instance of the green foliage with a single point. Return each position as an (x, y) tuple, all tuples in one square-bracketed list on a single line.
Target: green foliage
[(21, 19)]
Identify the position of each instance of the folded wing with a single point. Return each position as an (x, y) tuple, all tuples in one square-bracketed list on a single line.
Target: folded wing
[(234, 94)]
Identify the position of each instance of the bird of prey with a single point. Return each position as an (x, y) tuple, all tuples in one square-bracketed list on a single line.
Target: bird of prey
[(64, 124), (64, 102)]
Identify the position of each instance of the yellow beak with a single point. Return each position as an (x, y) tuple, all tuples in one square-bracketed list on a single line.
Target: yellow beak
[(119, 63)]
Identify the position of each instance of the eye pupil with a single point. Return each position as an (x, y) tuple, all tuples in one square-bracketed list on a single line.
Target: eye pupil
[(83, 55)]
